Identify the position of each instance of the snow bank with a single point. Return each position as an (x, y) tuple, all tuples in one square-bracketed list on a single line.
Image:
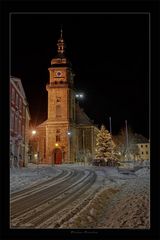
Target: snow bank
[(116, 207), (143, 172), (21, 178)]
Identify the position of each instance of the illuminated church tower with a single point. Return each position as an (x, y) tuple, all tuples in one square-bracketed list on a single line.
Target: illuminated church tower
[(63, 134)]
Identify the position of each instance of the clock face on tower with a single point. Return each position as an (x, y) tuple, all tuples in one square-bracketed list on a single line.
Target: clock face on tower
[(58, 73)]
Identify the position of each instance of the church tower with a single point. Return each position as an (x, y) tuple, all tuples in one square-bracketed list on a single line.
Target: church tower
[(68, 133), (60, 129)]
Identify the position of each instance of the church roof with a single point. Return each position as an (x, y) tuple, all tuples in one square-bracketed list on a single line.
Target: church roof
[(81, 116)]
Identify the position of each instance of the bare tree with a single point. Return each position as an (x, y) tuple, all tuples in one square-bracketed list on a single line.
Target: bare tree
[(131, 150)]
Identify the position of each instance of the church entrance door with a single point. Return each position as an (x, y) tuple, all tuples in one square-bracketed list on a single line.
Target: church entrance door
[(57, 156)]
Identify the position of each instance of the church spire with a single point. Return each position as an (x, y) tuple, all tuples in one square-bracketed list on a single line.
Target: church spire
[(60, 43)]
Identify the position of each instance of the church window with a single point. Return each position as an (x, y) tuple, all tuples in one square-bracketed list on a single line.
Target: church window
[(58, 135), (58, 110), (58, 138)]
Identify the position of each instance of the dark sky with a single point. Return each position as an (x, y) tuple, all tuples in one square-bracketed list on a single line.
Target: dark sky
[(109, 54)]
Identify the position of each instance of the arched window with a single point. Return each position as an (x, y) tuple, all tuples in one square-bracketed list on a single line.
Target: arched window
[(58, 110), (58, 139)]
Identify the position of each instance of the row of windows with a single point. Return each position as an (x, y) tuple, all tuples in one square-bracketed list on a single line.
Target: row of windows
[(61, 82), (143, 152), (15, 98), (16, 124), (143, 145)]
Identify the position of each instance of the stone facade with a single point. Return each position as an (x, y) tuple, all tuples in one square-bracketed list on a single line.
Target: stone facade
[(19, 124), (68, 130)]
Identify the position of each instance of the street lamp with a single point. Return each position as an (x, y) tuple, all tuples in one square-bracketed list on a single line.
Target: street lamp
[(79, 95), (36, 156), (34, 132)]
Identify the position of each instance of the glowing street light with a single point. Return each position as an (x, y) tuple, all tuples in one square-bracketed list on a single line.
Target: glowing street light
[(79, 95), (56, 144), (34, 132), (69, 133)]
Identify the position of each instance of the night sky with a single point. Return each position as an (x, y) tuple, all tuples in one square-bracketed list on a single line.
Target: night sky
[(109, 54)]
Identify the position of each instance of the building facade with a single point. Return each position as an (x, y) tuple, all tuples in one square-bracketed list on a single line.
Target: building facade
[(144, 151), (67, 132), (19, 124)]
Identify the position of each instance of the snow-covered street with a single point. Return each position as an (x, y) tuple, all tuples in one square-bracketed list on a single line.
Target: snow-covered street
[(78, 196)]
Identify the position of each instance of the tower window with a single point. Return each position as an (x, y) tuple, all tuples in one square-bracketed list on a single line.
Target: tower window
[(58, 139), (58, 110)]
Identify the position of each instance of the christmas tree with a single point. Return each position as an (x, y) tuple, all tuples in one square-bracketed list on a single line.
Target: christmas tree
[(105, 147)]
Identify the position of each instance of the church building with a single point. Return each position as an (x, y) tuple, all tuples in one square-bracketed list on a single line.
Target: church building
[(67, 132)]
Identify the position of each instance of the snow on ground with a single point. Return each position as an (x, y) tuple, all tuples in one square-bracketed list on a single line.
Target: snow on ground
[(21, 178), (122, 202), (143, 172)]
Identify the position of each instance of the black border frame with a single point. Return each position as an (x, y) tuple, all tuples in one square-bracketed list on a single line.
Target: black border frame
[(153, 7)]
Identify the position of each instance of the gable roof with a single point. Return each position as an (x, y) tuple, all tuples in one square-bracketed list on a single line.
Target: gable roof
[(81, 116), (17, 82)]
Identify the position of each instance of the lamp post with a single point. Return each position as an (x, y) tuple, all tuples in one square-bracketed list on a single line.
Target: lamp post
[(34, 133)]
